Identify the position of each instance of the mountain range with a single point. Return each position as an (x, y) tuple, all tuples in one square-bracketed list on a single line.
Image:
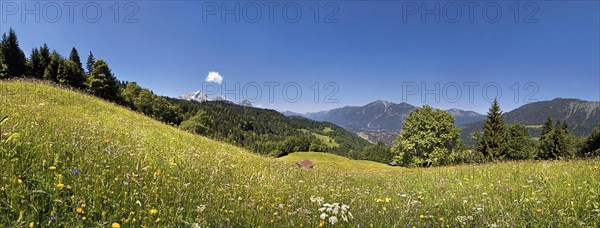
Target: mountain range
[(201, 97), (382, 120)]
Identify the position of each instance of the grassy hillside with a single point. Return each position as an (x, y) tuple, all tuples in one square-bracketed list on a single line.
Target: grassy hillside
[(336, 162), (80, 161)]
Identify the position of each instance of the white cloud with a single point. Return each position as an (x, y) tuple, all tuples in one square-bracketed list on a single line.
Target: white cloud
[(214, 77)]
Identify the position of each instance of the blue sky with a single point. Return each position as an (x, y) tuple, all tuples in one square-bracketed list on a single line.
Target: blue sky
[(366, 51)]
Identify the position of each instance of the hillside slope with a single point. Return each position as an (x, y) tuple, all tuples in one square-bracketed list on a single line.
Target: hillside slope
[(83, 162)]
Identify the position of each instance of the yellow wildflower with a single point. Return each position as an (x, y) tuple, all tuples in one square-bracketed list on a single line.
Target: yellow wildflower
[(79, 210), (157, 220), (69, 187), (153, 211), (83, 218), (31, 224), (60, 185), (321, 223), (378, 200), (19, 181), (422, 216), (106, 141), (52, 168), (388, 199), (115, 225)]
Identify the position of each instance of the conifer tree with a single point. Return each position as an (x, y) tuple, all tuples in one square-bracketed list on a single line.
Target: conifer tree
[(492, 143), (13, 62), (35, 67), (51, 71), (90, 63), (102, 82), (44, 57)]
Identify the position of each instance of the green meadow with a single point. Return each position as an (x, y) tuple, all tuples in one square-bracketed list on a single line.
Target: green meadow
[(69, 159)]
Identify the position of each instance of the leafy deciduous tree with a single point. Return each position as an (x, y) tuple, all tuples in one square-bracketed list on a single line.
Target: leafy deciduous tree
[(428, 138)]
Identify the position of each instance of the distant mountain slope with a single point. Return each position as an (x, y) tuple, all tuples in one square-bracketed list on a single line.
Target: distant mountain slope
[(379, 115), (581, 116), (267, 131), (379, 120)]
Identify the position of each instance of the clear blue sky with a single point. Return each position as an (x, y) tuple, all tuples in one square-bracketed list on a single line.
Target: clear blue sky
[(370, 53)]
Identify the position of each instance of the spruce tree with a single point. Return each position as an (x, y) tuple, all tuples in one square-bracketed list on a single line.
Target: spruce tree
[(102, 83), (35, 68), (70, 74), (90, 63), (591, 146), (547, 128), (51, 71), (74, 56), (13, 60), (492, 143), (44, 57), (519, 143), (556, 143), (78, 78)]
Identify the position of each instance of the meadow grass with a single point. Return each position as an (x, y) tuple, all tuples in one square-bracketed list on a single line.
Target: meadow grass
[(80, 161)]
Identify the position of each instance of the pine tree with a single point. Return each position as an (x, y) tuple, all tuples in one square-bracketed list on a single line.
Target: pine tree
[(492, 143), (90, 63), (101, 81), (13, 62)]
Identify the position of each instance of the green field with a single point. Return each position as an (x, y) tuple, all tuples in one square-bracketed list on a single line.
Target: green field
[(80, 161)]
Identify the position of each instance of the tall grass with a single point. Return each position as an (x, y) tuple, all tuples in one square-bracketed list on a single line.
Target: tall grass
[(80, 161)]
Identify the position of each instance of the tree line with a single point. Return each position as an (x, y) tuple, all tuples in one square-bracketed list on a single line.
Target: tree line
[(96, 79), (429, 138)]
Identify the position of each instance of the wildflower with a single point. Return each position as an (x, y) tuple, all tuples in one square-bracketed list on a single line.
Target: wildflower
[(378, 200), (52, 168), (106, 141), (79, 210), (132, 213), (321, 223), (19, 181), (157, 172), (103, 213), (115, 225), (323, 216), (69, 187), (333, 220), (53, 218), (75, 171), (153, 211), (157, 220), (83, 218), (423, 216), (388, 199), (60, 185), (31, 224)]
